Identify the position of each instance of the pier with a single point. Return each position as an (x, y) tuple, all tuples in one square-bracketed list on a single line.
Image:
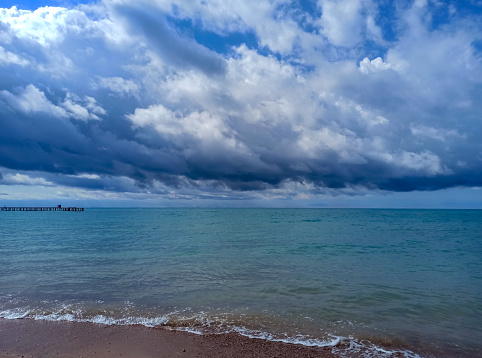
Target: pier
[(39, 208)]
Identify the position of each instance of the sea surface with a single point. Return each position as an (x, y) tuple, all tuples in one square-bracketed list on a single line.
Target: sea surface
[(368, 283)]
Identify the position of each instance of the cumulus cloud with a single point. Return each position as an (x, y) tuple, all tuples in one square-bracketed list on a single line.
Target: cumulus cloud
[(87, 109), (32, 100), (140, 99), (7, 58), (342, 21), (118, 85), (367, 66), (23, 179)]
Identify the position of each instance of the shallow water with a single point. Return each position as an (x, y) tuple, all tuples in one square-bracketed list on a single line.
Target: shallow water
[(383, 280)]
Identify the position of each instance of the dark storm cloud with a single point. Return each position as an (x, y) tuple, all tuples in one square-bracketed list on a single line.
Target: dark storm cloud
[(130, 104), (42, 143), (173, 48)]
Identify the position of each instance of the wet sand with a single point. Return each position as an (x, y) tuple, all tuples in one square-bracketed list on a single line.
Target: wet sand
[(30, 338)]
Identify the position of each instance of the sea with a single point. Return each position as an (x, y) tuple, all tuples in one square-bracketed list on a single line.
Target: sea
[(363, 282)]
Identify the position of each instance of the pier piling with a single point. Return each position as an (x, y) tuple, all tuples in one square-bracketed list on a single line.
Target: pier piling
[(39, 208)]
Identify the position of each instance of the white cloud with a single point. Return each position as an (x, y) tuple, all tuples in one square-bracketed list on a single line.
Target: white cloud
[(424, 163), (374, 32), (434, 133), (118, 85), (295, 108), (376, 65), (49, 25), (342, 21), (86, 176), (8, 58), (87, 110), (32, 100), (207, 128), (364, 116), (75, 110), (273, 29), (23, 179), (41, 25), (93, 107), (315, 143)]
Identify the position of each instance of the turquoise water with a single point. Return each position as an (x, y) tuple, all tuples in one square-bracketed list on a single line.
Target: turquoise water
[(375, 282)]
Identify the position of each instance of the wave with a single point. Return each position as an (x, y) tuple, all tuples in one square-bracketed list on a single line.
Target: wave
[(203, 323)]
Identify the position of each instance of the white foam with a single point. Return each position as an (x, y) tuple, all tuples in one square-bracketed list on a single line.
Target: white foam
[(368, 350), (144, 321), (189, 329), (201, 323), (67, 313), (14, 313), (301, 340), (101, 319), (55, 317)]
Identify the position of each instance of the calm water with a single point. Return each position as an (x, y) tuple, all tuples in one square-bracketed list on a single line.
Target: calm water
[(373, 281)]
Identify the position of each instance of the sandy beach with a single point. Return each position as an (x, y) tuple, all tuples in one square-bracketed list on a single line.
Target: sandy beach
[(30, 338)]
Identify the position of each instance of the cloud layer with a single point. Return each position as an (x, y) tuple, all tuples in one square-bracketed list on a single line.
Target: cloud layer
[(341, 96)]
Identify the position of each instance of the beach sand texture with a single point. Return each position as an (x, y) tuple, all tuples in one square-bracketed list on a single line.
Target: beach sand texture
[(38, 339)]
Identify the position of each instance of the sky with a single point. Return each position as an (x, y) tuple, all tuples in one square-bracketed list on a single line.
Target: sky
[(277, 103)]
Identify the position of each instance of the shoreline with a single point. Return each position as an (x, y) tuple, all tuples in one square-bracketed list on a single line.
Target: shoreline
[(27, 337), (32, 338)]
